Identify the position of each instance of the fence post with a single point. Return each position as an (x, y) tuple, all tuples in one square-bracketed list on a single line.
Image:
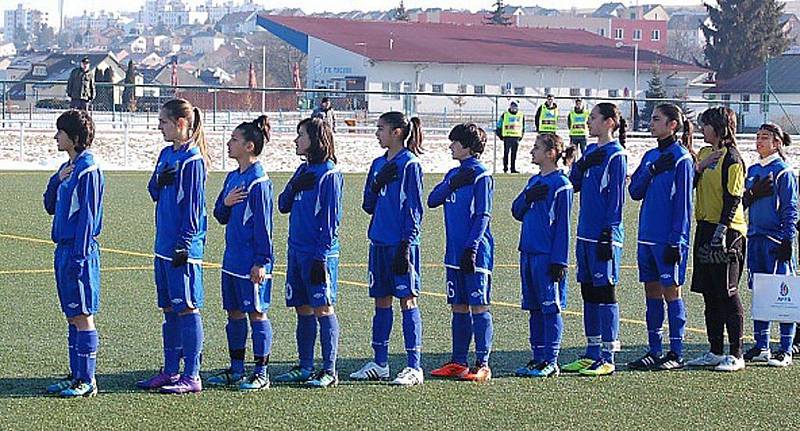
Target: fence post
[(21, 140), (125, 144), (494, 135), (214, 111)]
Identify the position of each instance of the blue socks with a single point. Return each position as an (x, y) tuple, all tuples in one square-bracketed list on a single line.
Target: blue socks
[(761, 333), (484, 332), (536, 328), (262, 343), (553, 327), (787, 336), (72, 349), (609, 326), (329, 341), (192, 334), (462, 326), (591, 324), (306, 335), (173, 344), (677, 325), (655, 320), (87, 355), (236, 329), (381, 329), (412, 335)]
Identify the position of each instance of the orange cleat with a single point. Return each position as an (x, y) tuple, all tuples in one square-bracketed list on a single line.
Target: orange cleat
[(450, 370), (478, 373)]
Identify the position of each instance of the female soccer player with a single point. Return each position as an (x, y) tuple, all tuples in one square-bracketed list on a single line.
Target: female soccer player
[(772, 200), (663, 182), (544, 207), (393, 197), (313, 200), (467, 193), (244, 206), (177, 186), (719, 242), (74, 196), (600, 177)]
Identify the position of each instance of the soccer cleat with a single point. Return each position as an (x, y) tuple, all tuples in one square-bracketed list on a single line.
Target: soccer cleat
[(79, 389), (451, 370), (256, 382), (546, 369), (371, 371), (157, 381), (599, 368), (479, 373), (408, 377), (226, 378), (526, 370), (648, 362), (577, 365), (757, 355), (795, 349), (184, 385), (780, 359), (707, 360), (670, 361), (730, 363), (296, 375), (60, 385), (324, 379)]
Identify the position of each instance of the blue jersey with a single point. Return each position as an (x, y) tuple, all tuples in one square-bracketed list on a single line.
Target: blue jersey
[(181, 221), (467, 212), (77, 205), (774, 216), (665, 215), (315, 214), (248, 231), (546, 223), (602, 194), (397, 209)]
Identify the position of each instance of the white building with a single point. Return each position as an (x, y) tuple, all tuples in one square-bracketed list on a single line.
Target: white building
[(93, 21), (27, 19), (171, 13), (7, 49), (207, 42)]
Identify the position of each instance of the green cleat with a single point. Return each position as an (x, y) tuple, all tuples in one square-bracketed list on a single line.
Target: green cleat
[(79, 389), (60, 385), (598, 368), (578, 365), (295, 375), (226, 378), (323, 379), (255, 382)]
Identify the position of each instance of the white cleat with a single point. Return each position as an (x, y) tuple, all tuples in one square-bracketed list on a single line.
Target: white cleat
[(371, 372), (730, 363), (408, 377), (707, 360)]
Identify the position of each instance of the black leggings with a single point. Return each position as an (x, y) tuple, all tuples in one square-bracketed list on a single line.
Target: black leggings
[(722, 312)]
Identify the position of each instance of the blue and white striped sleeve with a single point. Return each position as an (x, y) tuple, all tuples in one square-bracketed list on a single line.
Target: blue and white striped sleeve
[(682, 201), (89, 192), (616, 177), (483, 193), (260, 202), (786, 185), (193, 178), (328, 212), (411, 207), (562, 210)]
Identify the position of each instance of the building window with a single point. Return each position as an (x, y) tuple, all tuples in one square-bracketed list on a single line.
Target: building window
[(655, 35), (390, 87), (547, 90), (613, 93), (619, 34), (574, 92), (602, 32), (765, 103), (437, 88), (479, 89), (745, 106), (462, 88), (519, 91), (587, 92), (39, 70), (726, 98), (637, 34)]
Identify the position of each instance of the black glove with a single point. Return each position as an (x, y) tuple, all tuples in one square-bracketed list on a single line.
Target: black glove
[(672, 254), (664, 163), (467, 263), (462, 178), (402, 259), (784, 251), (318, 272), (386, 175), (536, 193), (166, 177), (592, 159), (180, 257), (763, 187), (718, 240), (304, 181), (604, 251), (557, 272)]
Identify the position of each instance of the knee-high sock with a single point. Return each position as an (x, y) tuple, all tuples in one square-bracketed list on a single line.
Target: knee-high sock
[(553, 327), (236, 330), (677, 325), (306, 335), (72, 349), (716, 317), (761, 333), (483, 329), (173, 342), (655, 321), (609, 329), (381, 330), (262, 344), (192, 334), (734, 322), (87, 354), (591, 325), (329, 341), (412, 335), (536, 326), (787, 336), (461, 328)]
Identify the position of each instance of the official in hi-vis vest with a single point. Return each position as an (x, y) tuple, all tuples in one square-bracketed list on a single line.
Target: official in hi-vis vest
[(511, 128), (547, 116), (576, 123)]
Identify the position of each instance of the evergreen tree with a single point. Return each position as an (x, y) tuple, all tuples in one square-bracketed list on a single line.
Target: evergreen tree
[(497, 16), (655, 90), (400, 13), (742, 34), (129, 93)]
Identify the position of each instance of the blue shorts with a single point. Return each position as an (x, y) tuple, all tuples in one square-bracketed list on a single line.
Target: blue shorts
[(180, 288), (539, 291), (299, 289), (239, 293), (384, 282), (468, 289), (761, 258), (78, 295), (596, 271), (650, 259)]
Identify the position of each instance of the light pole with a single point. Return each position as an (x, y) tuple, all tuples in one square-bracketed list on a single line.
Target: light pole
[(635, 78)]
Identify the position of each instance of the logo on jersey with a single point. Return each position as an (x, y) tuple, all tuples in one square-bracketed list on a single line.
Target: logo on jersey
[(666, 276), (177, 301), (477, 294), (318, 295), (599, 275), (400, 287), (72, 305), (246, 303)]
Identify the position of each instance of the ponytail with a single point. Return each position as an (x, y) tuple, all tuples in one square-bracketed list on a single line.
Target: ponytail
[(551, 141), (675, 113), (412, 129), (783, 138), (622, 132), (257, 132), (199, 137), (182, 108), (609, 110)]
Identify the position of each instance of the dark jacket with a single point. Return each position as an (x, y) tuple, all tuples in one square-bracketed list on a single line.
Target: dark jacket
[(81, 85), (326, 115)]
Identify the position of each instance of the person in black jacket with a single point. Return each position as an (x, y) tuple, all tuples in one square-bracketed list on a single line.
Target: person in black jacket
[(80, 87)]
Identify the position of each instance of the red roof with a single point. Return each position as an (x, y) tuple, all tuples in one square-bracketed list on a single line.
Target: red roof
[(478, 44)]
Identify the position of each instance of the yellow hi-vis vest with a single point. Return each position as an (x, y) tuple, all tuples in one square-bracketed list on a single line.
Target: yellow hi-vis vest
[(548, 120), (577, 123), (512, 125)]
